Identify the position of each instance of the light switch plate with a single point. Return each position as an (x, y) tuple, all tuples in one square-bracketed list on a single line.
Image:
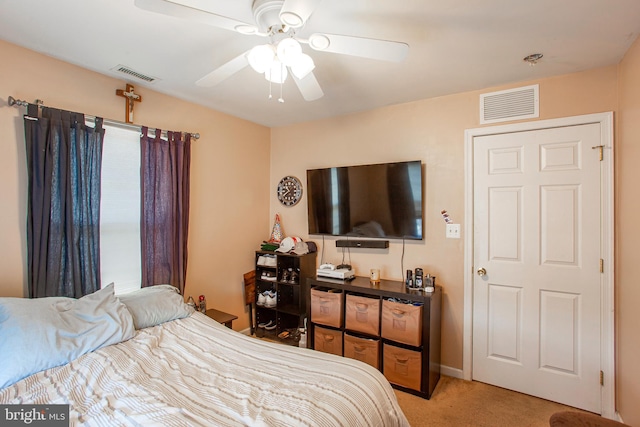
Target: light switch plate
[(453, 231)]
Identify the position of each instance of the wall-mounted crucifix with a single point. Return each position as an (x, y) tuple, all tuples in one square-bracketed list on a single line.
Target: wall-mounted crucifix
[(130, 96)]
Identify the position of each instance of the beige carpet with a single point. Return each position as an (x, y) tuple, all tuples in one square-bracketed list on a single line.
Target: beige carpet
[(468, 403)]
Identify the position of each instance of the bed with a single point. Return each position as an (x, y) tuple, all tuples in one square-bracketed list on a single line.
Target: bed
[(178, 368)]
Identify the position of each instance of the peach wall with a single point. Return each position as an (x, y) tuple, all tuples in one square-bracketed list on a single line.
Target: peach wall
[(229, 191), (627, 236), (233, 151), (432, 131)]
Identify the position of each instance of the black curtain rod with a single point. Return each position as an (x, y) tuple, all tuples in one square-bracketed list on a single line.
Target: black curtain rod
[(18, 102)]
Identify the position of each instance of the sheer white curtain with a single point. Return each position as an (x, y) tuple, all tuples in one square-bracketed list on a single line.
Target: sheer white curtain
[(120, 260)]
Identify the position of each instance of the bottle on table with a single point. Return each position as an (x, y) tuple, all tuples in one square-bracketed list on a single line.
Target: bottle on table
[(191, 302), (202, 304), (303, 338)]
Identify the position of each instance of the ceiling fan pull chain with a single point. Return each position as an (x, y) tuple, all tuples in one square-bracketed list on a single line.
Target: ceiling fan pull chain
[(270, 96), (281, 99)]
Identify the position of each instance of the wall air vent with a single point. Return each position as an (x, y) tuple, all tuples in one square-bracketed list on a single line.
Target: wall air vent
[(512, 104), (128, 71)]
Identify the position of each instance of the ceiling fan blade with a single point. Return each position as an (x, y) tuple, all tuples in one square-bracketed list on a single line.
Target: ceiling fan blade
[(295, 13), (170, 8), (309, 87), (383, 50), (224, 71)]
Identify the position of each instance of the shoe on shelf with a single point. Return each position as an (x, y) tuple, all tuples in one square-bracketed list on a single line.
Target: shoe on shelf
[(284, 334), (270, 327), (268, 275), (262, 299), (270, 261), (265, 324), (285, 276), (272, 299), (293, 277)]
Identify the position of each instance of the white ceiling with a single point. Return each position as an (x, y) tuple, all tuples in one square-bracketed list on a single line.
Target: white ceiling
[(454, 46)]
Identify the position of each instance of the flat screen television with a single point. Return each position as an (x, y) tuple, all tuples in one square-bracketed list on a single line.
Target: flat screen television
[(377, 201)]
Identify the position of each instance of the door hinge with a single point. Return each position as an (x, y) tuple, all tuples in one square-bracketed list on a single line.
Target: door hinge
[(601, 265), (601, 378), (601, 148)]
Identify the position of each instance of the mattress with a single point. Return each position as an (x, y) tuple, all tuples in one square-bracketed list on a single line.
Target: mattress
[(194, 371)]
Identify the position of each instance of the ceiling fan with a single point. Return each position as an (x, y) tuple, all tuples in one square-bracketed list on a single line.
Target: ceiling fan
[(280, 21)]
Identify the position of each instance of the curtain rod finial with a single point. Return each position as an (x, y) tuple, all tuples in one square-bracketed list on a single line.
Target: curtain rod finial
[(11, 101)]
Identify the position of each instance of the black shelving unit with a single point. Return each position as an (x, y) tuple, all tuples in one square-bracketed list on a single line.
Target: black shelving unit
[(291, 307)]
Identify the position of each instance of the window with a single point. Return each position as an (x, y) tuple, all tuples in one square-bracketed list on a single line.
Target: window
[(120, 210)]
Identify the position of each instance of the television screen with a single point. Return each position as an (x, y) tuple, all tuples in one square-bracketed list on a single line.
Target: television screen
[(379, 201)]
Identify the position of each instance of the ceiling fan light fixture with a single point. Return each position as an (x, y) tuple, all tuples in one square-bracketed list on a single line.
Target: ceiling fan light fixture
[(319, 41), (261, 57), (277, 72), (288, 51), (303, 66)]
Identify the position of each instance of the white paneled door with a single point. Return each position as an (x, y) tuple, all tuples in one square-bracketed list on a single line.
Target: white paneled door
[(537, 236)]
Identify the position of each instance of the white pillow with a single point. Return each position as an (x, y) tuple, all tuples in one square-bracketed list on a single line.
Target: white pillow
[(157, 304), (41, 333)]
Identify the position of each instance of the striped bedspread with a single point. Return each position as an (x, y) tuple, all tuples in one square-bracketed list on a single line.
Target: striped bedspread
[(196, 372)]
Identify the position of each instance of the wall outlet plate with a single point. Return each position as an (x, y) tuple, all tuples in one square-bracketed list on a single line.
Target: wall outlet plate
[(453, 231)]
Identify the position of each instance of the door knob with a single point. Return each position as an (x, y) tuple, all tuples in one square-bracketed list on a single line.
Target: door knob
[(481, 271)]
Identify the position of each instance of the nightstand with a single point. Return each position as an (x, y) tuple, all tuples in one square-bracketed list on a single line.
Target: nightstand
[(221, 317)]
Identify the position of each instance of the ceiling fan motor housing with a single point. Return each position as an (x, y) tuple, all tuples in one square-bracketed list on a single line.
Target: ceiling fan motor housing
[(267, 14)]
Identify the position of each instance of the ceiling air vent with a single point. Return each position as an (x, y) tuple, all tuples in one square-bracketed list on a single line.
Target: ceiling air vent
[(126, 70), (513, 104)]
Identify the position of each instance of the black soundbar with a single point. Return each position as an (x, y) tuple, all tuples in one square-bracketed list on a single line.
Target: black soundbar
[(376, 244)]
